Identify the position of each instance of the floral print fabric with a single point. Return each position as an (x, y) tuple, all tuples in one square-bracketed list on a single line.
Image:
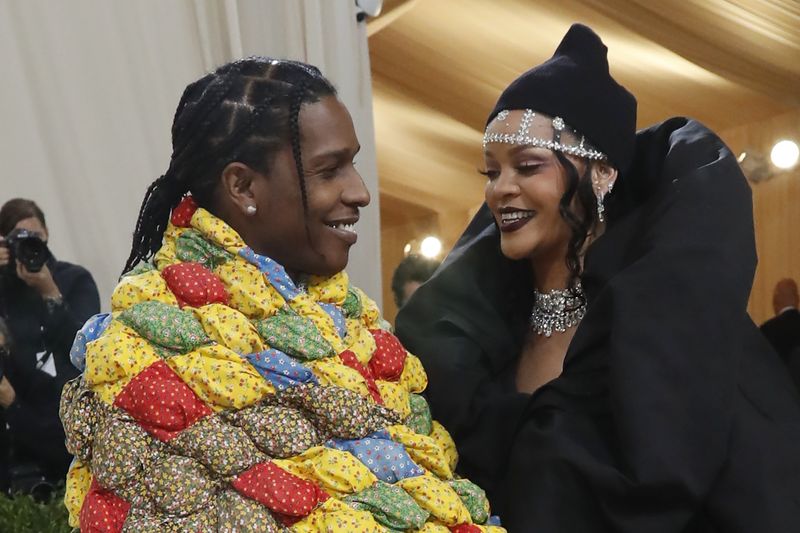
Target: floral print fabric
[(219, 395)]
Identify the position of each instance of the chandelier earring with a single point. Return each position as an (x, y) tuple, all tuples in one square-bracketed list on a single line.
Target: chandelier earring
[(600, 194)]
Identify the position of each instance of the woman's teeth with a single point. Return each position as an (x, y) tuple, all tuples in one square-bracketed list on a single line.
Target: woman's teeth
[(508, 218)]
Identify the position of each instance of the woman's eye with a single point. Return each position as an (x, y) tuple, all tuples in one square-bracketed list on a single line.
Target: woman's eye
[(528, 169), (491, 174)]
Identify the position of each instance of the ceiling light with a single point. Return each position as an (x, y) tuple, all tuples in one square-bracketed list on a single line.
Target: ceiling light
[(430, 247), (785, 154)]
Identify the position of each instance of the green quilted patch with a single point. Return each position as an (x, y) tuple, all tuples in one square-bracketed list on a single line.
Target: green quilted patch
[(474, 499), (420, 419), (352, 304), (192, 247), (294, 335), (391, 506), (165, 325)]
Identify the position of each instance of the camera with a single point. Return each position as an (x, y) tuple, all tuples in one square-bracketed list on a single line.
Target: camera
[(27, 248)]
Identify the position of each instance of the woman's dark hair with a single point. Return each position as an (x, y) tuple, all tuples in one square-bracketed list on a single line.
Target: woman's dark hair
[(244, 111), (581, 222), (18, 209)]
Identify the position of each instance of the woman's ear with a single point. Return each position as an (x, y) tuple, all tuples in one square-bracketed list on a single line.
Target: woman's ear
[(238, 186), (603, 178)]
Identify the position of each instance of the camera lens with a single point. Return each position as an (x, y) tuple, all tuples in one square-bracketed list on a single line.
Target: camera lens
[(32, 253)]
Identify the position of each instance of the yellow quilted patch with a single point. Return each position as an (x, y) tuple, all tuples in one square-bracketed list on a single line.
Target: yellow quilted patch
[(332, 290), (216, 231), (395, 397), (229, 328), (220, 377), (433, 527), (369, 310), (359, 340), (436, 497), (114, 359), (79, 479), (248, 291), (414, 378), (332, 371), (334, 516), (424, 450), (445, 442), (166, 255), (145, 287), (338, 472)]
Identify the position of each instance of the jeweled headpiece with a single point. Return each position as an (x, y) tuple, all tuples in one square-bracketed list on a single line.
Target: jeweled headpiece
[(573, 143), (575, 87)]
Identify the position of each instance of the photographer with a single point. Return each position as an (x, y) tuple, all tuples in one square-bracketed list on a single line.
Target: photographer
[(44, 302)]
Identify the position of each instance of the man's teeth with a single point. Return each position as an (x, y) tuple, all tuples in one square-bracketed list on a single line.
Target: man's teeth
[(508, 218), (346, 227)]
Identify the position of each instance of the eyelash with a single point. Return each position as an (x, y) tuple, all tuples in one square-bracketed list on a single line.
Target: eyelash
[(522, 169)]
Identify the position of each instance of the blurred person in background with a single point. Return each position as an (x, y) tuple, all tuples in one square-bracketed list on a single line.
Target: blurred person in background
[(44, 302), (411, 272), (783, 330)]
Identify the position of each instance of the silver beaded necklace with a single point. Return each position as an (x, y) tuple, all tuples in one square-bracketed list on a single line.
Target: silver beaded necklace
[(557, 310)]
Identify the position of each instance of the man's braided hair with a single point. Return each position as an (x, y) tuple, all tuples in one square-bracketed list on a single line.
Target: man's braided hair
[(244, 111)]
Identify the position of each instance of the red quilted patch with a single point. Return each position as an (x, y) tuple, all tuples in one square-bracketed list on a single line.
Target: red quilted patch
[(465, 528), (194, 285), (389, 356), (161, 402), (281, 492), (102, 511), (350, 359), (182, 213)]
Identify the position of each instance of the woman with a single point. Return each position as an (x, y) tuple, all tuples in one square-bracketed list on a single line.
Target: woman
[(663, 410), (45, 301), (240, 383)]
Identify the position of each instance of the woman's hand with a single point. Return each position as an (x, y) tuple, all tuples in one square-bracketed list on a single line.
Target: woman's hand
[(41, 281), (7, 393)]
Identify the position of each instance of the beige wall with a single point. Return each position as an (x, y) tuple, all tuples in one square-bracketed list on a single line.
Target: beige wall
[(776, 209), (401, 223)]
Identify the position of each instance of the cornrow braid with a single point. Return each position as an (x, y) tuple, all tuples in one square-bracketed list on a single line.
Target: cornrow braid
[(294, 132), (244, 111)]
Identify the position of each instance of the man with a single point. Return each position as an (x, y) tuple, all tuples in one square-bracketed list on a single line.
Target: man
[(412, 272), (783, 330)]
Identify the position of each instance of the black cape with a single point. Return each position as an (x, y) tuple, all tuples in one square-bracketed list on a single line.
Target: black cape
[(672, 414)]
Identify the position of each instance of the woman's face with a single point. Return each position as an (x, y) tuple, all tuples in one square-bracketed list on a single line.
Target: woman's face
[(317, 241), (525, 185)]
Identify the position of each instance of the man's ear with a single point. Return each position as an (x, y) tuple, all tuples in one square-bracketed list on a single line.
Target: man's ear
[(237, 185)]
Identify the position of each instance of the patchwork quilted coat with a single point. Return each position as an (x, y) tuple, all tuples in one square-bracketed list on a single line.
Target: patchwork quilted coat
[(218, 395)]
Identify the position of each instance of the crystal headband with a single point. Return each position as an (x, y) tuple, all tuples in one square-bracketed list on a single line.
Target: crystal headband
[(522, 137)]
